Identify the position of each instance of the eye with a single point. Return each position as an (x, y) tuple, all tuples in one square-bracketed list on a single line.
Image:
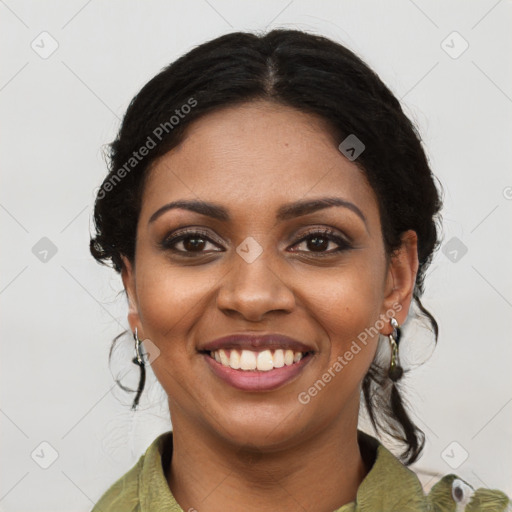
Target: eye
[(189, 243), (192, 243), (318, 241)]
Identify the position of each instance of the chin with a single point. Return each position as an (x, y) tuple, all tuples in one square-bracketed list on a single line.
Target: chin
[(262, 428)]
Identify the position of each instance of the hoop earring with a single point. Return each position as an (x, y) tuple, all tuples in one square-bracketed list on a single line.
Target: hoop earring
[(395, 371), (139, 361)]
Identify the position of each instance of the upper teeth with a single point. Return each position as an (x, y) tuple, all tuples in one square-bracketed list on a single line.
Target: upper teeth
[(249, 360)]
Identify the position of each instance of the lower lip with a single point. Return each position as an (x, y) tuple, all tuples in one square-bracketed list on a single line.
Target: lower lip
[(254, 380)]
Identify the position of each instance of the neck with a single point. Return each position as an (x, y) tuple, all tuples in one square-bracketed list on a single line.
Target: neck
[(211, 475)]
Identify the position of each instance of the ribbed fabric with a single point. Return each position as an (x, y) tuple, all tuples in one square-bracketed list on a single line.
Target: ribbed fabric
[(389, 486)]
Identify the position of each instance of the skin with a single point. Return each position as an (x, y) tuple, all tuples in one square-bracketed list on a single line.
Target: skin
[(239, 450)]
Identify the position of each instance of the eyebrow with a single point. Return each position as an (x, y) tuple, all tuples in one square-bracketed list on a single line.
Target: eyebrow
[(285, 212)]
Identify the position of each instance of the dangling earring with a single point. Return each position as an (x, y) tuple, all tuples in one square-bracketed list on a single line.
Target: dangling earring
[(139, 361), (395, 370)]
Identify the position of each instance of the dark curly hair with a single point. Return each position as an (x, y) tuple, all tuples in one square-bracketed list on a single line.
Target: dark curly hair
[(314, 75)]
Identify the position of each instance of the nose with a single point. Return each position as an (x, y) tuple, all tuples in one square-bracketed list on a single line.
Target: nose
[(253, 290)]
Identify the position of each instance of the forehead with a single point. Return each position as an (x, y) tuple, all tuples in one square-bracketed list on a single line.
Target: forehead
[(254, 157)]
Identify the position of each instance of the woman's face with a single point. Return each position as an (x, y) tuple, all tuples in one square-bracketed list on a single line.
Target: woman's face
[(267, 266)]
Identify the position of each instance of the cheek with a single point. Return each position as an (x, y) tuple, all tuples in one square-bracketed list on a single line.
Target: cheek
[(347, 307), (345, 313), (170, 301)]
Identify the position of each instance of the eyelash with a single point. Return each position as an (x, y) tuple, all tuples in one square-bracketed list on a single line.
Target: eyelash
[(329, 234)]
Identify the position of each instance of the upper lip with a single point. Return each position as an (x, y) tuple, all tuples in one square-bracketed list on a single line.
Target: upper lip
[(248, 341)]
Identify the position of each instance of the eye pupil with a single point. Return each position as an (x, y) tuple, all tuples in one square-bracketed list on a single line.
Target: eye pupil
[(316, 245), (193, 245)]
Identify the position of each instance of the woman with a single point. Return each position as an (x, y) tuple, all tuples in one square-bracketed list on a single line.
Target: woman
[(272, 213)]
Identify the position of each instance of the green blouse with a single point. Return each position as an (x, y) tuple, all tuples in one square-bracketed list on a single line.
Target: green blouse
[(389, 486)]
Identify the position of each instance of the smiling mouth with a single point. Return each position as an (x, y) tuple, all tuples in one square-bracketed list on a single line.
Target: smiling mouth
[(250, 360)]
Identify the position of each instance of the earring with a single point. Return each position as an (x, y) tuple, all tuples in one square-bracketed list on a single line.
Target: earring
[(395, 370), (139, 361), (138, 355)]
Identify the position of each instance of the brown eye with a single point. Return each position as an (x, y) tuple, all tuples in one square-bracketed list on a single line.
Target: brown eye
[(319, 241), (193, 243), (189, 242)]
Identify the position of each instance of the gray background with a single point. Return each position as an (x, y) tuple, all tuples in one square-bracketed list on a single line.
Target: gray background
[(62, 95)]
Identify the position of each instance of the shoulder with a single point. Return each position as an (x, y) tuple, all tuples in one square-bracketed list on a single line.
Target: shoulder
[(452, 493), (123, 494), (390, 485), (137, 484)]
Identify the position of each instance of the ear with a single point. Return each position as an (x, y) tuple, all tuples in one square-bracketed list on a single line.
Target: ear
[(401, 279), (128, 276)]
